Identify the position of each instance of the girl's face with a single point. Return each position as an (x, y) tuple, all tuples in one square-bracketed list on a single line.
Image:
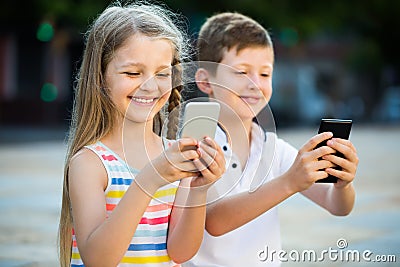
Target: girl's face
[(139, 77), (243, 81)]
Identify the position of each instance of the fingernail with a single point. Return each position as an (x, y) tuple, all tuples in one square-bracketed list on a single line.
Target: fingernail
[(330, 142), (208, 139)]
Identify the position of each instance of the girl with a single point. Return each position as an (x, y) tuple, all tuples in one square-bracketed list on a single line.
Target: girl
[(119, 201)]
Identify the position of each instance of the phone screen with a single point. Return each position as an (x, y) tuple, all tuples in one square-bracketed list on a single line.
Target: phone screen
[(200, 120), (340, 129)]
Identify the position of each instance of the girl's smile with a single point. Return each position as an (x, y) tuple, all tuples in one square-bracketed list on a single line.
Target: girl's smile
[(144, 101)]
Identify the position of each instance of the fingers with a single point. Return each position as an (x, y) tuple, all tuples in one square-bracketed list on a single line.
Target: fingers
[(345, 147), (211, 163), (347, 171), (323, 164), (183, 150), (348, 162), (209, 174), (321, 151), (188, 157), (183, 143), (342, 175), (214, 156), (187, 166), (315, 140)]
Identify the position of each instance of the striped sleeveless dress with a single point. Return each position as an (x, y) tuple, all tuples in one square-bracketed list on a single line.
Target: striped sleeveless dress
[(148, 247)]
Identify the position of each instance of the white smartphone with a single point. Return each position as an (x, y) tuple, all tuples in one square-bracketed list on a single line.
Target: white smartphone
[(200, 120)]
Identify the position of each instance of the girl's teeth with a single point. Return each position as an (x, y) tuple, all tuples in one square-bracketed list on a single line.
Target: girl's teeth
[(141, 100)]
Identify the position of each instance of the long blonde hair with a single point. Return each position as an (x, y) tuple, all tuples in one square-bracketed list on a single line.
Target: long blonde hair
[(93, 114)]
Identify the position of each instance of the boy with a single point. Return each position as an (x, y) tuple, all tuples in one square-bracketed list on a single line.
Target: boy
[(242, 221)]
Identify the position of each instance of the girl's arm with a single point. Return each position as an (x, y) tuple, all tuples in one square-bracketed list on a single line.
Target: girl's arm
[(186, 226), (187, 221)]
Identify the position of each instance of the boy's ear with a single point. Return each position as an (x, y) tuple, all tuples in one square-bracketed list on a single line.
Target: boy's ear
[(202, 81)]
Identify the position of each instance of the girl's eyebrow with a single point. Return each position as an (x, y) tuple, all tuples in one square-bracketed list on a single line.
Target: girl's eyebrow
[(131, 64), (163, 67), (141, 65)]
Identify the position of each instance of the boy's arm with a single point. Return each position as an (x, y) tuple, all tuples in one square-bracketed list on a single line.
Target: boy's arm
[(337, 198), (234, 211)]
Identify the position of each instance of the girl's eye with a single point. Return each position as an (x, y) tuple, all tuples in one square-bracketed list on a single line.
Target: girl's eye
[(265, 74), (132, 73), (163, 74)]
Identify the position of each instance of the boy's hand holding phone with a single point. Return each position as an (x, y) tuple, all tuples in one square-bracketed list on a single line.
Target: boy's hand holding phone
[(309, 167), (326, 157), (345, 159)]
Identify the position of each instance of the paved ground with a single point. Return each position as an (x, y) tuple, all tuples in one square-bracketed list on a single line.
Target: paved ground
[(30, 190), (374, 223)]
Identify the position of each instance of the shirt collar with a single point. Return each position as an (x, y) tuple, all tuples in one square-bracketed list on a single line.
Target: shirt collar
[(258, 136)]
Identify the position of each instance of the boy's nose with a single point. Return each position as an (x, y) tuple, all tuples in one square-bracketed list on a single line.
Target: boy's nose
[(254, 82)]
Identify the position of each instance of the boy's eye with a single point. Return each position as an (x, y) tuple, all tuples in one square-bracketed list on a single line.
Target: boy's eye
[(241, 72), (265, 74)]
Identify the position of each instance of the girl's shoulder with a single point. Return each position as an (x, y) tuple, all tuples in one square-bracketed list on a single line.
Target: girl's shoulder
[(89, 153), (86, 164)]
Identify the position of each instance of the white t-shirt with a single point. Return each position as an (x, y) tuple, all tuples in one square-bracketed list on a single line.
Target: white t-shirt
[(269, 157)]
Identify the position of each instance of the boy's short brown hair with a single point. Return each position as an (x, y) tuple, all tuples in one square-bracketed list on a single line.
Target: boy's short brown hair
[(228, 30)]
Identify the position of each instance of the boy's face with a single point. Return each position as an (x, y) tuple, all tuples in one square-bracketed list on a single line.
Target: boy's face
[(243, 81)]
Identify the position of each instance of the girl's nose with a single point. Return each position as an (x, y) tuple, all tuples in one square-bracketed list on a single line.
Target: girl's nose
[(149, 84)]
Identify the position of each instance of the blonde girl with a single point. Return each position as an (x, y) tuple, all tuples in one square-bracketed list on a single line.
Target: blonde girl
[(120, 185)]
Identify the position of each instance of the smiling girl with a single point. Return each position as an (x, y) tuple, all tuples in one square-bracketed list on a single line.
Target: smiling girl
[(120, 184)]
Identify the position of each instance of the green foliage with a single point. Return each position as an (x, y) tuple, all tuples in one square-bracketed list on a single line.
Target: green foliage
[(374, 21)]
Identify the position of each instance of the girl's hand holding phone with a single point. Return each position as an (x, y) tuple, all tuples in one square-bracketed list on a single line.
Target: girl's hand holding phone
[(210, 164), (205, 165), (176, 162)]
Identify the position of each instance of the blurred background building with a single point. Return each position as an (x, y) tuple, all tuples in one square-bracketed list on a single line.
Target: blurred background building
[(334, 58)]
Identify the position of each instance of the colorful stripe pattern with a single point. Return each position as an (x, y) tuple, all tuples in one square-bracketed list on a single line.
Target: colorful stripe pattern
[(148, 247)]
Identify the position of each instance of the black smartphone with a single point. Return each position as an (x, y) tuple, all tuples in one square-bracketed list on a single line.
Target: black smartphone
[(340, 129)]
